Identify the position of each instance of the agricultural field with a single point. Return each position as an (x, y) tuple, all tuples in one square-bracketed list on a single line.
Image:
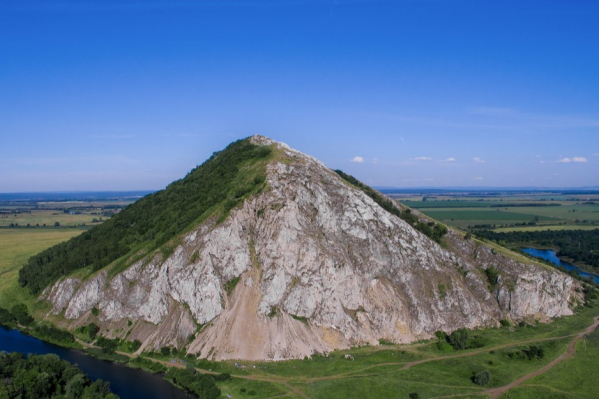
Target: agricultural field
[(16, 246), (49, 218), (509, 211)]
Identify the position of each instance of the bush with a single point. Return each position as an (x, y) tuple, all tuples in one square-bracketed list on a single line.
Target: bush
[(92, 330), (21, 314), (95, 311), (483, 378), (6, 318), (165, 351), (534, 352), (505, 323), (492, 276), (459, 339), (107, 345), (134, 345)]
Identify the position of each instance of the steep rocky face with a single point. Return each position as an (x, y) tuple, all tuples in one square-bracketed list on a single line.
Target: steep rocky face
[(310, 264)]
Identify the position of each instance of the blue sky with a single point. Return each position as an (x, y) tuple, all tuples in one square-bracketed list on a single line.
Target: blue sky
[(130, 95)]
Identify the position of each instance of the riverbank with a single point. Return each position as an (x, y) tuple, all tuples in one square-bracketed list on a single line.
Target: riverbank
[(550, 256)]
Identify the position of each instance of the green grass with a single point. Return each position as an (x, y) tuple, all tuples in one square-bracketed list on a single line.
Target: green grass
[(16, 246), (576, 377), (565, 212), (48, 217)]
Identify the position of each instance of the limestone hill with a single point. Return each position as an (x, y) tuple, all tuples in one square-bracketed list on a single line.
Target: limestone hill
[(264, 253)]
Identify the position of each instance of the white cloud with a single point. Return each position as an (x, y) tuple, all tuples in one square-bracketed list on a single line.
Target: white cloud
[(478, 160), (541, 161), (423, 158), (479, 178), (596, 154), (357, 159), (375, 160), (450, 159), (573, 159)]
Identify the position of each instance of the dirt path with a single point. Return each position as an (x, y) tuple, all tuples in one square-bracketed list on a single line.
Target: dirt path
[(496, 392), (479, 351)]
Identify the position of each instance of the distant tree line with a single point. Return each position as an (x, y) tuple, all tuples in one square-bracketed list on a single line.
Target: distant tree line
[(433, 230), (46, 376), (154, 219), (578, 245)]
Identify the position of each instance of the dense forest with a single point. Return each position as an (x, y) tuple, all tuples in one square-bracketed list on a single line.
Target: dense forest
[(223, 180), (578, 245), (46, 376), (433, 230)]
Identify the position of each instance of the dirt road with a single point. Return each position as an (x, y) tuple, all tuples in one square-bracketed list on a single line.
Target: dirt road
[(496, 392)]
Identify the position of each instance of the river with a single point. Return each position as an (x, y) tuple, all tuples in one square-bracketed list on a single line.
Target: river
[(550, 255), (126, 382)]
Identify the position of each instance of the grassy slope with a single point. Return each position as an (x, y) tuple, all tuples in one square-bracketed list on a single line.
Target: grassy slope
[(219, 184)]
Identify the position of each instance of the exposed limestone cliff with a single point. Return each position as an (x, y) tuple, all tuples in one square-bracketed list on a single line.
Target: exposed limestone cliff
[(320, 266)]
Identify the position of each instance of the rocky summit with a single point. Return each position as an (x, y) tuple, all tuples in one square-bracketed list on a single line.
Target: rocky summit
[(298, 261)]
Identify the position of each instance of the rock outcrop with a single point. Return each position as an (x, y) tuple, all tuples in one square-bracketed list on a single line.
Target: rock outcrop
[(311, 264)]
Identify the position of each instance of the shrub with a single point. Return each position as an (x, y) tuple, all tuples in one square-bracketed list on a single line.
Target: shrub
[(534, 352), (92, 330), (134, 345), (505, 323), (492, 276), (95, 311), (165, 351), (21, 314), (459, 339), (6, 318), (483, 378)]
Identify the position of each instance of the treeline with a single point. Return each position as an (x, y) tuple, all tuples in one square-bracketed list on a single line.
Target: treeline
[(46, 376), (433, 230), (521, 204), (578, 245), (153, 220)]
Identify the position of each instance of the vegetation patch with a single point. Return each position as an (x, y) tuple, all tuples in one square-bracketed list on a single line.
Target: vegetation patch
[(231, 284), (152, 221), (47, 376)]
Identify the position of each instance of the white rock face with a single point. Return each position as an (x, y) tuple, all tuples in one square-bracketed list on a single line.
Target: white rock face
[(321, 267)]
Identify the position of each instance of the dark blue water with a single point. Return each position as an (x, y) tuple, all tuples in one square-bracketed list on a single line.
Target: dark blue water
[(550, 255), (126, 382)]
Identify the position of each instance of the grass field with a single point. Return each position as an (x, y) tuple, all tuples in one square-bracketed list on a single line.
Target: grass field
[(47, 217), (511, 213), (16, 246)]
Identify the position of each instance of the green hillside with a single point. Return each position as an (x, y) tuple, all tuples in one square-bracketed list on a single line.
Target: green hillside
[(218, 185)]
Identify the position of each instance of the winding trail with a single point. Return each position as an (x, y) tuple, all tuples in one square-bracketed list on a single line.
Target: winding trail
[(496, 392)]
